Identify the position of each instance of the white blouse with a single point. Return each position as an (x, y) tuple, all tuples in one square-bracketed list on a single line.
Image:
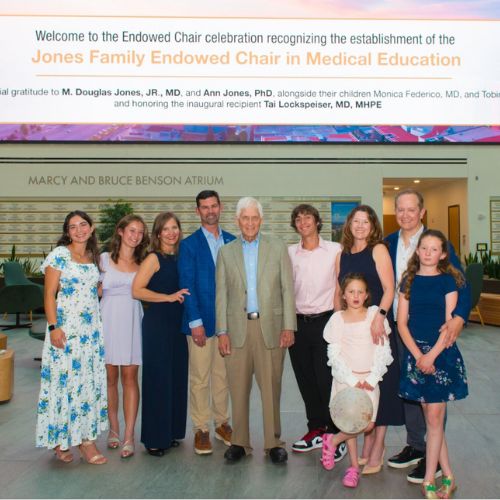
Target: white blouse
[(351, 349)]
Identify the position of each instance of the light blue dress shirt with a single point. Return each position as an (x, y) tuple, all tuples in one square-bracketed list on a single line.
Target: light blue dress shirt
[(250, 258), (215, 245)]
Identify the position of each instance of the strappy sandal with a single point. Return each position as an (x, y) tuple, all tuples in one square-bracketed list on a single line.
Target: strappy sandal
[(447, 487), (429, 490), (113, 440), (362, 461), (97, 459), (328, 452), (351, 477), (63, 455), (128, 449)]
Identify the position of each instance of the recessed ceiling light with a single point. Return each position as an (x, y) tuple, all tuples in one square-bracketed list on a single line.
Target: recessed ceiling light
[(396, 188), (417, 181)]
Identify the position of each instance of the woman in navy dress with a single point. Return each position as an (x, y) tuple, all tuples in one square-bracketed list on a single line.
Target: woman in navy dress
[(432, 373), (164, 348), (363, 251)]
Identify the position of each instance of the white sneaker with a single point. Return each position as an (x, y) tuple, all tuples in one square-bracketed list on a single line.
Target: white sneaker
[(340, 452), (308, 442)]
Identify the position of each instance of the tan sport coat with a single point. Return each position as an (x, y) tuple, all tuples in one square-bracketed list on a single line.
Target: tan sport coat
[(275, 291)]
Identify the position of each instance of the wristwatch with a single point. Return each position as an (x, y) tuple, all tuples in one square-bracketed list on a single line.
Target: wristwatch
[(52, 327), (383, 312)]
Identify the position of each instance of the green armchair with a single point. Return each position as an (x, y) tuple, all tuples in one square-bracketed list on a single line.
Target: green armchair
[(19, 295)]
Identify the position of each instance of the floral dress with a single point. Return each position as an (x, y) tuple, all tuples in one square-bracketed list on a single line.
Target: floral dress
[(73, 399), (427, 312)]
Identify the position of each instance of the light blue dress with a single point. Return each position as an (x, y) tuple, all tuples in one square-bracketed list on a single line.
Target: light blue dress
[(73, 399), (121, 316)]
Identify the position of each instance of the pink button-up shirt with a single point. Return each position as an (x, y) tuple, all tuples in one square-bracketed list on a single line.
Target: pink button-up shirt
[(314, 276)]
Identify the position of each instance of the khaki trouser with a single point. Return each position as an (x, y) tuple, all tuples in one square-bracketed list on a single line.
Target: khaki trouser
[(267, 365), (208, 389)]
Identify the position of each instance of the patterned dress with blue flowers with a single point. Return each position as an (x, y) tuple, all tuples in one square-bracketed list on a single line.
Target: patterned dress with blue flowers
[(73, 399), (427, 313)]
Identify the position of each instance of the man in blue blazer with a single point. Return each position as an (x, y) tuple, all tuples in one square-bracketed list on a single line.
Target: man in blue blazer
[(409, 205), (208, 388)]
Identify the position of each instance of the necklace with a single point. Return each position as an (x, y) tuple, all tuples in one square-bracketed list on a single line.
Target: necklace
[(78, 257)]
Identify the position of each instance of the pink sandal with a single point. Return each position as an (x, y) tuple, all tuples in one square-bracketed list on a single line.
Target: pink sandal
[(351, 477), (328, 452)]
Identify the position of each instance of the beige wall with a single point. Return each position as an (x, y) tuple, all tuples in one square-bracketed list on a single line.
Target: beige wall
[(484, 182), (388, 204), (437, 201), (259, 170)]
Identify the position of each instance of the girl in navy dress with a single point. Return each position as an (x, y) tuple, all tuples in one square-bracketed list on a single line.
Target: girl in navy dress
[(431, 374)]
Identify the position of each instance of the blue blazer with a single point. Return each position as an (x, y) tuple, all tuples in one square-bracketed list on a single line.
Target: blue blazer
[(464, 297), (197, 273)]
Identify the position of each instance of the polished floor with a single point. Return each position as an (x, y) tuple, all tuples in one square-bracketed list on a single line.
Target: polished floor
[(472, 430)]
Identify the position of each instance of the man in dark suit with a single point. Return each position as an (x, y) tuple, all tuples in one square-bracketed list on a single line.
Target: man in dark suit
[(207, 372), (409, 206), (256, 321)]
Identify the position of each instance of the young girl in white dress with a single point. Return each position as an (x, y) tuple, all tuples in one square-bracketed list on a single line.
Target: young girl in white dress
[(356, 362)]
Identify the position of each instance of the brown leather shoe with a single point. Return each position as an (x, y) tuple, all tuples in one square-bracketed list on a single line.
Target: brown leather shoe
[(202, 444), (224, 433)]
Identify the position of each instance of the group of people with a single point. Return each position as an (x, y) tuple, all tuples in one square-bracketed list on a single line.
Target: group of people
[(382, 316), (400, 304)]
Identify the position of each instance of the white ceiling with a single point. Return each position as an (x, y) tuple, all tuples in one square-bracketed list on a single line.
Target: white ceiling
[(424, 184)]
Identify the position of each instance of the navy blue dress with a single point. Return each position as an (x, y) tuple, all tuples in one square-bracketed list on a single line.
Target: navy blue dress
[(427, 312), (390, 410), (165, 362)]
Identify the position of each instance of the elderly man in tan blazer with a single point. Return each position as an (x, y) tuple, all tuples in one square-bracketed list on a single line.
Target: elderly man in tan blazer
[(256, 321)]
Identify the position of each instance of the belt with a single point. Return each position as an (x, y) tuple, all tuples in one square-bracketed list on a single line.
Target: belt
[(311, 317), (253, 315)]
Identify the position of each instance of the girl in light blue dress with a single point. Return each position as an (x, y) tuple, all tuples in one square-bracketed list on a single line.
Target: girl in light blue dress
[(121, 321), (72, 408)]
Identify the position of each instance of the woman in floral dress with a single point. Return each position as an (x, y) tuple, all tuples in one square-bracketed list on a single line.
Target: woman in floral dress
[(72, 408)]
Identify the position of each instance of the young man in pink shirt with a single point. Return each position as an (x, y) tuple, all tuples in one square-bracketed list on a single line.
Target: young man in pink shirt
[(313, 263)]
